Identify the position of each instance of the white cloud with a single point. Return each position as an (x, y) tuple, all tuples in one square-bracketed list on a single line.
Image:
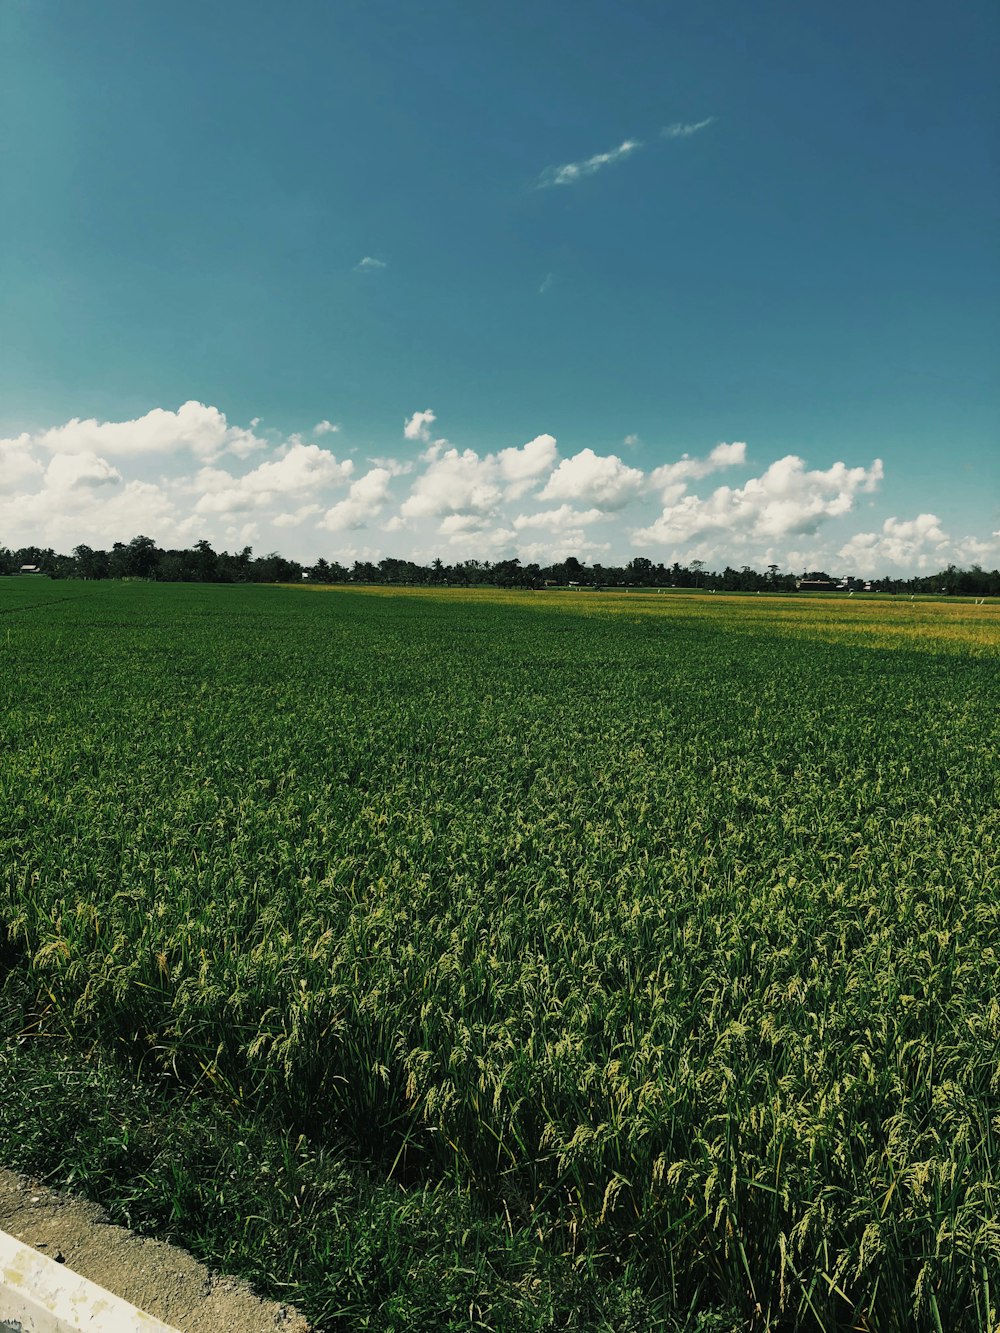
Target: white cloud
[(672, 478), (910, 543), (453, 483), (70, 508), (369, 263), (418, 427), (463, 482), (178, 476), (325, 427), (392, 465), (194, 427), (559, 520), (458, 524), (571, 172), (296, 517), (68, 472), (479, 541), (977, 550), (364, 502), (18, 463), (631, 441), (785, 499), (521, 468), (680, 130), (546, 283), (303, 468), (596, 479), (573, 541)]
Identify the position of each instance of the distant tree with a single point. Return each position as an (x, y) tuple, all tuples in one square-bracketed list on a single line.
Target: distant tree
[(173, 567), (90, 564), (61, 566), (274, 568), (41, 556), (206, 562), (319, 572), (236, 568), (392, 570), (116, 561), (639, 570), (142, 558), (508, 573), (139, 558)]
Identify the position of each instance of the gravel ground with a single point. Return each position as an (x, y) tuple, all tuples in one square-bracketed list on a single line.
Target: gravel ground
[(157, 1277)]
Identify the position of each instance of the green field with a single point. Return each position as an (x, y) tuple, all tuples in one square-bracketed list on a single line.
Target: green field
[(514, 960)]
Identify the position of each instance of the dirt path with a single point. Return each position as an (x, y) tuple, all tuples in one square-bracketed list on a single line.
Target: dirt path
[(159, 1278)]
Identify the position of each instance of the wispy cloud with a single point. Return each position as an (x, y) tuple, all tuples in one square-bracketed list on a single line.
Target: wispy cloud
[(368, 263), (681, 130), (546, 283), (571, 172)]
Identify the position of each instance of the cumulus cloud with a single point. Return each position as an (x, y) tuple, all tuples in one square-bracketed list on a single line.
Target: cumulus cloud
[(369, 263), (478, 540), (909, 543), (558, 520), (672, 478), (681, 130), (418, 427), (463, 482), (521, 468), (597, 479), (67, 472), (185, 474), (293, 518), (573, 541), (303, 468), (571, 172), (194, 428), (175, 475), (977, 550), (785, 499), (459, 524), (89, 505), (364, 502), (325, 427), (18, 463), (453, 482)]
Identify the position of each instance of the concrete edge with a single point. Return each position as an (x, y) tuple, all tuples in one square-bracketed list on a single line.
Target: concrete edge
[(38, 1295)]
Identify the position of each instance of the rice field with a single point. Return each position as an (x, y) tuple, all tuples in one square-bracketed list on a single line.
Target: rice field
[(661, 931)]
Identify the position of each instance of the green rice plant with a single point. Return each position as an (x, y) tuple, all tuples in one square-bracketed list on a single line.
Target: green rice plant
[(661, 931)]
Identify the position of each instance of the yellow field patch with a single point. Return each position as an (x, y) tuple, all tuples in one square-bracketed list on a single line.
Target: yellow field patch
[(934, 624)]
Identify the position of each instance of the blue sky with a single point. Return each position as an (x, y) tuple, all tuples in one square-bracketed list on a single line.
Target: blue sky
[(633, 232)]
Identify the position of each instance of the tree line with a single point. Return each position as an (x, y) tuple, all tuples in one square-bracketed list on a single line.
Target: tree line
[(141, 558)]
